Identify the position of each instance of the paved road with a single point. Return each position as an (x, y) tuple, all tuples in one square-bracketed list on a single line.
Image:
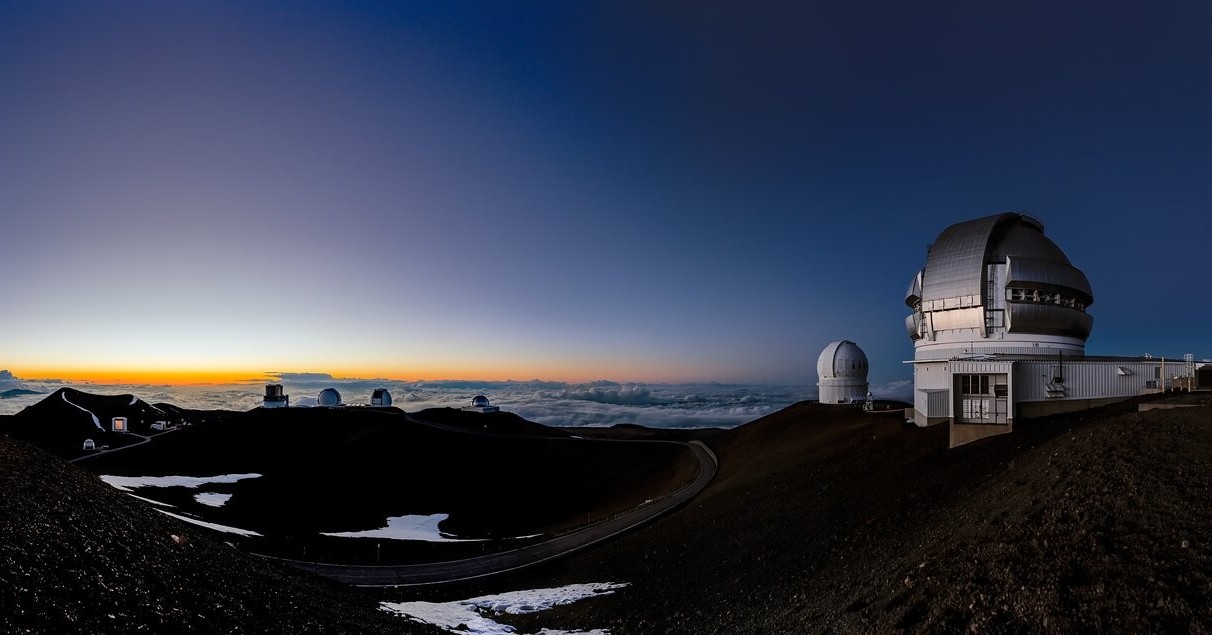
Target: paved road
[(480, 566)]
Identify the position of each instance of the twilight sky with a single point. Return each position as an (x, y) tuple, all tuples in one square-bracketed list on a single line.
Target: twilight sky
[(656, 192)]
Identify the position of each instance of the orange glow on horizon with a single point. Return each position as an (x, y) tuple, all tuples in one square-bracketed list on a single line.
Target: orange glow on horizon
[(206, 376)]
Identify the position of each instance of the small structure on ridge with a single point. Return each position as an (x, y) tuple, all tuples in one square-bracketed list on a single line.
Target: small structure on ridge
[(380, 397), (329, 398), (274, 397), (481, 404)]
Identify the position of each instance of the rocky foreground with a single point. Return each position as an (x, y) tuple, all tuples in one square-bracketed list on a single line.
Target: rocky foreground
[(821, 519), (77, 556), (827, 520)]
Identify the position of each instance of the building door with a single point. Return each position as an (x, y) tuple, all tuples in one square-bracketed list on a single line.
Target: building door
[(983, 398)]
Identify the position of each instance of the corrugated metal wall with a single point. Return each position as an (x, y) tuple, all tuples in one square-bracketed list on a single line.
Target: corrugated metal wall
[(1088, 379)]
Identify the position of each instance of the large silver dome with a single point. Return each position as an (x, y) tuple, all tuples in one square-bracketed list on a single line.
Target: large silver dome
[(998, 280)]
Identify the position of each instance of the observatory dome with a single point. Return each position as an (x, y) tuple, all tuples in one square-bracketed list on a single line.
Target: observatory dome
[(480, 401), (380, 397), (842, 373), (842, 359), (329, 397), (997, 284)]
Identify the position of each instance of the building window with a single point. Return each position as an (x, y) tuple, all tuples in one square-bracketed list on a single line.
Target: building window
[(1037, 296), (974, 384)]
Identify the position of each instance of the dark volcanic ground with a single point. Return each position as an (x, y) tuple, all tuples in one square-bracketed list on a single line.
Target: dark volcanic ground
[(496, 475), (821, 519), (77, 556), (830, 520)]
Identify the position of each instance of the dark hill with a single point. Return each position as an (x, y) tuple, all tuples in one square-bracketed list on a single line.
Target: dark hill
[(335, 470), (80, 557), (830, 519), (503, 423), (64, 419), (17, 392)]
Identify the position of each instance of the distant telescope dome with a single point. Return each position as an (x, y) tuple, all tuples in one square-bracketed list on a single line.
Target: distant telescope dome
[(997, 284), (842, 373), (329, 397), (842, 359), (480, 401), (380, 397)]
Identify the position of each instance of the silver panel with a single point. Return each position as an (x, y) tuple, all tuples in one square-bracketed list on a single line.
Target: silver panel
[(912, 326), (913, 294), (1036, 273), (1026, 240), (1048, 319), (956, 263), (971, 318)]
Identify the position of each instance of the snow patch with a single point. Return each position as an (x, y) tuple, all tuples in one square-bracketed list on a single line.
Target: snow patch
[(215, 526), (469, 616), (133, 400), (126, 483), (422, 528), (212, 499), (96, 421)]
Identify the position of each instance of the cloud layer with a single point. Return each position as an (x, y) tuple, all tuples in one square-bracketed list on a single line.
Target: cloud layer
[(601, 403)]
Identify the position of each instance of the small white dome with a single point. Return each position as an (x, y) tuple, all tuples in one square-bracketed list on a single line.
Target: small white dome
[(842, 373), (329, 397), (380, 397), (480, 401), (842, 359)]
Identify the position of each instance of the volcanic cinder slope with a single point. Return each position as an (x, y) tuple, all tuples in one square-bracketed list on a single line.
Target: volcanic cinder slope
[(820, 519), (830, 519), (322, 470), (80, 557)]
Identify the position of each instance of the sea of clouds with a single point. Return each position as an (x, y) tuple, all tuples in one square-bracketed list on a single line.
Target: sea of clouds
[(599, 403)]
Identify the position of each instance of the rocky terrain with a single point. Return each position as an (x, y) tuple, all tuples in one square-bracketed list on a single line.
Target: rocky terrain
[(80, 557), (830, 520), (821, 519)]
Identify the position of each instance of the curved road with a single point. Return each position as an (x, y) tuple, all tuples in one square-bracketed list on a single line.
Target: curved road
[(480, 566)]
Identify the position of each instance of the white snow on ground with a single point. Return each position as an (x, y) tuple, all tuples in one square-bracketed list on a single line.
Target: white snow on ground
[(423, 528), (215, 526), (133, 400), (212, 499), (96, 421), (126, 483), (470, 616)]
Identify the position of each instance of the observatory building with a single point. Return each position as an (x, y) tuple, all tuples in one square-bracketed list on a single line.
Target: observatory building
[(999, 325), (841, 372), (480, 404), (329, 398), (380, 397), (274, 397)]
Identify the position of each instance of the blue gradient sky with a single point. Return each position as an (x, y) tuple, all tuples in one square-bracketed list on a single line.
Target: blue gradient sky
[(576, 191)]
